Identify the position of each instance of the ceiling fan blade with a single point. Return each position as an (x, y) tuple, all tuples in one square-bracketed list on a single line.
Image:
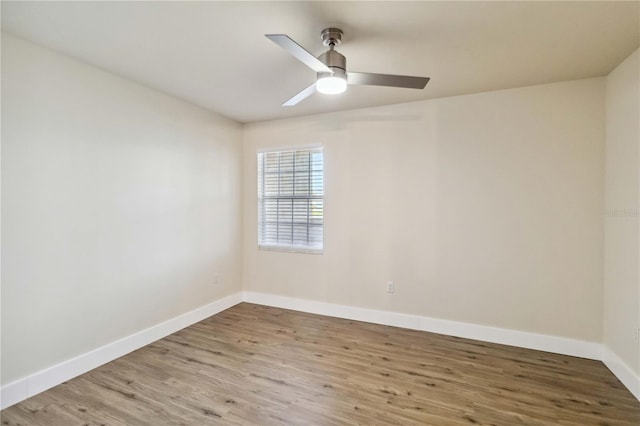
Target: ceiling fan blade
[(298, 51), (387, 80), (301, 96)]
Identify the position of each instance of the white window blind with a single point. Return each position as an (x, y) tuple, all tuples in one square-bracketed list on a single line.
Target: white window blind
[(291, 199)]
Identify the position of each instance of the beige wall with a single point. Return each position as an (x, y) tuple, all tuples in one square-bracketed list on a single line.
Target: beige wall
[(484, 208), (119, 205), (622, 256)]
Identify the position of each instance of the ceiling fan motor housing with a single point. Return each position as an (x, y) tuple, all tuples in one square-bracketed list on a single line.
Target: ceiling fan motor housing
[(335, 61)]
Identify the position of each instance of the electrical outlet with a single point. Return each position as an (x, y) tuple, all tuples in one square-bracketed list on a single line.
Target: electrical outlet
[(216, 279), (636, 335), (391, 288)]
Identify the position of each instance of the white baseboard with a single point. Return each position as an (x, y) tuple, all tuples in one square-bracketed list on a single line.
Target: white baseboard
[(29, 386), (622, 371), (523, 339)]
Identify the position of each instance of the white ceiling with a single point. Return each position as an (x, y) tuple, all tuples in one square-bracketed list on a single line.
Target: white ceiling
[(214, 54)]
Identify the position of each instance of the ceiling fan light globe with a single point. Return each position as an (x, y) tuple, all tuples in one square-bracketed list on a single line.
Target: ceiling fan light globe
[(331, 85)]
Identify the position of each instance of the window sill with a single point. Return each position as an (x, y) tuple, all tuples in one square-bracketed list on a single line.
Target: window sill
[(292, 249)]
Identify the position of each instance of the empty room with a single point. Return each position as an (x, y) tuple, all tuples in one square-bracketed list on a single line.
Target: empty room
[(320, 213)]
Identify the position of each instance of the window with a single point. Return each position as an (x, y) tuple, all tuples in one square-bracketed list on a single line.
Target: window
[(291, 200)]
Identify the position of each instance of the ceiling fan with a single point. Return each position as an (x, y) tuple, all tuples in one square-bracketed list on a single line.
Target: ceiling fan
[(331, 67)]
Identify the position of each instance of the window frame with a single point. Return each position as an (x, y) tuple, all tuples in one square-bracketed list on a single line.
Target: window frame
[(291, 248)]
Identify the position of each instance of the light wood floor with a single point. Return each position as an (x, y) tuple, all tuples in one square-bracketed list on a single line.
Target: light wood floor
[(255, 365)]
